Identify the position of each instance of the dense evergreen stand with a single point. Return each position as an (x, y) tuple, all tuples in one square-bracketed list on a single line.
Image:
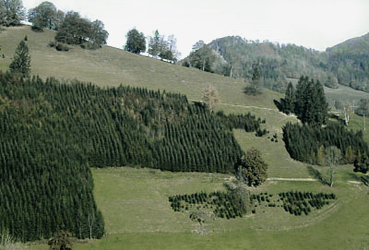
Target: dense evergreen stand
[(52, 132)]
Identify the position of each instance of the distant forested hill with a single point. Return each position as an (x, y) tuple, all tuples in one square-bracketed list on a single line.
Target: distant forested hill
[(276, 62), (349, 62), (346, 63)]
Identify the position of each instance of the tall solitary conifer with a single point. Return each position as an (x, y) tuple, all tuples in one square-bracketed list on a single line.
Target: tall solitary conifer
[(22, 61)]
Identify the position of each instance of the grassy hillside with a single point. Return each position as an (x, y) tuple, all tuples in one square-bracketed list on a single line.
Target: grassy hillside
[(111, 67), (134, 202)]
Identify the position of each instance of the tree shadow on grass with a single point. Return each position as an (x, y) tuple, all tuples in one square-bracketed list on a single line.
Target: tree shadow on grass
[(317, 175), (354, 177), (362, 178)]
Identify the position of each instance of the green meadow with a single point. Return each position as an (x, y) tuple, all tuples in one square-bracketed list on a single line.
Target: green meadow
[(138, 216)]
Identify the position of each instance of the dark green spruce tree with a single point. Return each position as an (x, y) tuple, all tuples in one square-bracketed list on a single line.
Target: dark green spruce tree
[(321, 105), (290, 99), (311, 104), (255, 86), (22, 60), (301, 95)]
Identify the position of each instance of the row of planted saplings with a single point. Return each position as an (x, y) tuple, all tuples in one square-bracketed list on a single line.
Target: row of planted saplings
[(298, 203), (222, 203), (179, 202), (225, 206), (261, 198)]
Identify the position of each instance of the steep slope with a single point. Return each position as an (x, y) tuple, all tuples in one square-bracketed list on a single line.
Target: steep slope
[(111, 67)]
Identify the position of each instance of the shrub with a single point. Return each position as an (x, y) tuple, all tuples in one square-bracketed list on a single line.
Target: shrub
[(61, 47), (52, 44), (251, 168)]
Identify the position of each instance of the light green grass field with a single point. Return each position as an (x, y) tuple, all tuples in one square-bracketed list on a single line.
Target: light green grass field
[(134, 202), (138, 216)]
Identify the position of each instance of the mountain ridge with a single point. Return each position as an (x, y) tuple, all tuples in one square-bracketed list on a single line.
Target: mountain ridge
[(353, 43), (278, 62)]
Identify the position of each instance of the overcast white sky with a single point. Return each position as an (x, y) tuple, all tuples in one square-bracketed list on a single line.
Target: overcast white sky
[(316, 24)]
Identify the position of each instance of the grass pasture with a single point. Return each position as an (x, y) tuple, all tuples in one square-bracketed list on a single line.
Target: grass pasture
[(138, 216)]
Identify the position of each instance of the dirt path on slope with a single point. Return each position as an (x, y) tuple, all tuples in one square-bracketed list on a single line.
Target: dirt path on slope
[(290, 179)]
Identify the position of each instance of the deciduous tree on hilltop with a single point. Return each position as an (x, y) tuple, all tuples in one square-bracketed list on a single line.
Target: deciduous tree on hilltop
[(136, 42), (11, 12)]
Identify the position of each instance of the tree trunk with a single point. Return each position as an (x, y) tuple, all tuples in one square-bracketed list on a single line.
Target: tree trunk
[(331, 175), (91, 222)]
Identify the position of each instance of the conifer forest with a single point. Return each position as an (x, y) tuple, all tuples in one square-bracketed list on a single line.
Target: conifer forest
[(52, 132)]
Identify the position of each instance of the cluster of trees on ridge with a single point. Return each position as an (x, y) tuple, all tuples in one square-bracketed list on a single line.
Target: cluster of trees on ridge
[(71, 27), (12, 12), (46, 15), (158, 46), (51, 133)]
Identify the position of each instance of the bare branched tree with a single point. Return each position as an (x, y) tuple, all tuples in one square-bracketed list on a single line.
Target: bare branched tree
[(333, 157), (347, 111), (210, 96)]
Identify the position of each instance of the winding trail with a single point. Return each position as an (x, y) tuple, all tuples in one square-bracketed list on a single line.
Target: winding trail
[(290, 179)]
